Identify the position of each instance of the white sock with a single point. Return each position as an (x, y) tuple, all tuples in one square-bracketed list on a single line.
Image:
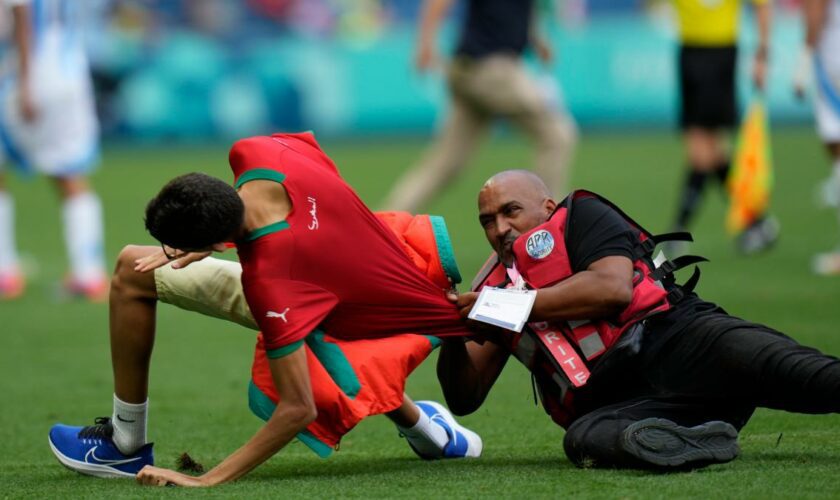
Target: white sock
[(8, 250), (428, 437), (129, 421), (82, 216)]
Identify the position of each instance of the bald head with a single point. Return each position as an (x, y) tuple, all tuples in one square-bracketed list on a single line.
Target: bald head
[(511, 203), (524, 180)]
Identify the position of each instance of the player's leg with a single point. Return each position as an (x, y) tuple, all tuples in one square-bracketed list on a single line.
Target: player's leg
[(133, 302), (513, 93), (432, 431), (827, 114), (448, 154), (11, 278), (707, 106), (828, 263), (702, 157), (83, 235), (659, 434), (116, 446)]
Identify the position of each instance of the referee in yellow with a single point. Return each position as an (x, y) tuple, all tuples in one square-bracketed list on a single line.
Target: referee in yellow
[(708, 106)]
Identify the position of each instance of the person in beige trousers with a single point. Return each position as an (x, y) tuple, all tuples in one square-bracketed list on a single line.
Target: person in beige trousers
[(487, 80)]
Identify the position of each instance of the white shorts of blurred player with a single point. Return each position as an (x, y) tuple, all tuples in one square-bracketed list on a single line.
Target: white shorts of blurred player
[(63, 141)]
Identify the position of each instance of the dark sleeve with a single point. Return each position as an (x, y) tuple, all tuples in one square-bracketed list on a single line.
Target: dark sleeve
[(596, 231)]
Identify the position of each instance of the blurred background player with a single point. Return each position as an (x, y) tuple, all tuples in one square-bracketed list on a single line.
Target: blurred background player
[(48, 125), (487, 79), (708, 106), (821, 58)]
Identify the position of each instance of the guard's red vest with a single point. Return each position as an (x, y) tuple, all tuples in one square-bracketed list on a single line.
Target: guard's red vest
[(561, 354)]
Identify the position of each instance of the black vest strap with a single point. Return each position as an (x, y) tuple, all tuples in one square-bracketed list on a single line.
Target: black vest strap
[(679, 292), (646, 247), (669, 266)]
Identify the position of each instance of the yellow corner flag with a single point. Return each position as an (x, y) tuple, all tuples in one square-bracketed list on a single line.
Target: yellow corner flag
[(751, 179)]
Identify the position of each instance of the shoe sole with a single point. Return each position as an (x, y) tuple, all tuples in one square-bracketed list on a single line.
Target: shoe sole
[(88, 469), (663, 443), (475, 444)]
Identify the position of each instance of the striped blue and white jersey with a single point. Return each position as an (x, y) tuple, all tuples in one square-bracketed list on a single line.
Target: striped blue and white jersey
[(57, 35)]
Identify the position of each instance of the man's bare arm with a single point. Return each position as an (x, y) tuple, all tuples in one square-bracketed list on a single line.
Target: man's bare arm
[(814, 12), (604, 289), (467, 371), (763, 15), (23, 44), (431, 16), (294, 412)]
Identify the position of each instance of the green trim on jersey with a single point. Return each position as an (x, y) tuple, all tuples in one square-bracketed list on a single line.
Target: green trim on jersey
[(263, 407), (435, 341), (335, 363), (257, 174), (271, 228), (283, 351), (445, 251)]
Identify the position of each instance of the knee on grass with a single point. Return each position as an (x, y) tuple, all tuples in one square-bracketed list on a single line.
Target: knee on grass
[(128, 283)]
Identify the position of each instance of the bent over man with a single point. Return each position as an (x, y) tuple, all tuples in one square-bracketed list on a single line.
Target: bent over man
[(640, 371), (288, 207)]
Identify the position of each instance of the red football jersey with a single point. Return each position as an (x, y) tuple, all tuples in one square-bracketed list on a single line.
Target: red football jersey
[(331, 262)]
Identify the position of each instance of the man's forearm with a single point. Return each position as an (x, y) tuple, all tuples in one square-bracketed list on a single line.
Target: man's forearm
[(23, 37), (467, 371), (283, 426), (430, 18), (814, 12), (294, 412), (594, 293)]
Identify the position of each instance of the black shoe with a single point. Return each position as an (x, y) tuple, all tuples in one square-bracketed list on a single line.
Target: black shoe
[(664, 444), (760, 236)]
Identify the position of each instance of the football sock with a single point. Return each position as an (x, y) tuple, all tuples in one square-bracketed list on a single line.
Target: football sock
[(129, 421), (428, 437), (82, 216), (8, 252), (693, 187)]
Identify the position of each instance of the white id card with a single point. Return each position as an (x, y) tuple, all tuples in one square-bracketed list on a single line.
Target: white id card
[(504, 307)]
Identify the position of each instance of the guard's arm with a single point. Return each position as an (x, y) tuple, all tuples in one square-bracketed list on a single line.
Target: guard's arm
[(466, 372), (763, 15), (294, 412), (604, 289)]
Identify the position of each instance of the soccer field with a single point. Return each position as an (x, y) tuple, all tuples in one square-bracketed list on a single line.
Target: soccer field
[(55, 359)]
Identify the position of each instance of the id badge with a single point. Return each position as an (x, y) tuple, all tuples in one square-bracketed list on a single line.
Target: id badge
[(504, 307)]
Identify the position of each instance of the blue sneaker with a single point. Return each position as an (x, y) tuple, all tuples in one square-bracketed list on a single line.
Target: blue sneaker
[(462, 443), (91, 451)]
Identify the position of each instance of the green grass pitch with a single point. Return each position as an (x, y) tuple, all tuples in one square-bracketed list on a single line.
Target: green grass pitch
[(55, 363)]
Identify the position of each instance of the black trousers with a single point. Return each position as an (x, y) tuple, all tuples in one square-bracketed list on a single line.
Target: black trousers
[(716, 367)]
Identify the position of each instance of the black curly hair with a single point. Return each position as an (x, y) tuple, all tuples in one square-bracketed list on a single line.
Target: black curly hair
[(194, 211)]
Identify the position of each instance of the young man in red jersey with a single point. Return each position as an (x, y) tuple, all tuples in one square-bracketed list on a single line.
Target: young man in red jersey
[(312, 256)]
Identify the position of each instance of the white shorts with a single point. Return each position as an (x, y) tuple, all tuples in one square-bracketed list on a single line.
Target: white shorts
[(826, 107), (211, 287), (64, 139)]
